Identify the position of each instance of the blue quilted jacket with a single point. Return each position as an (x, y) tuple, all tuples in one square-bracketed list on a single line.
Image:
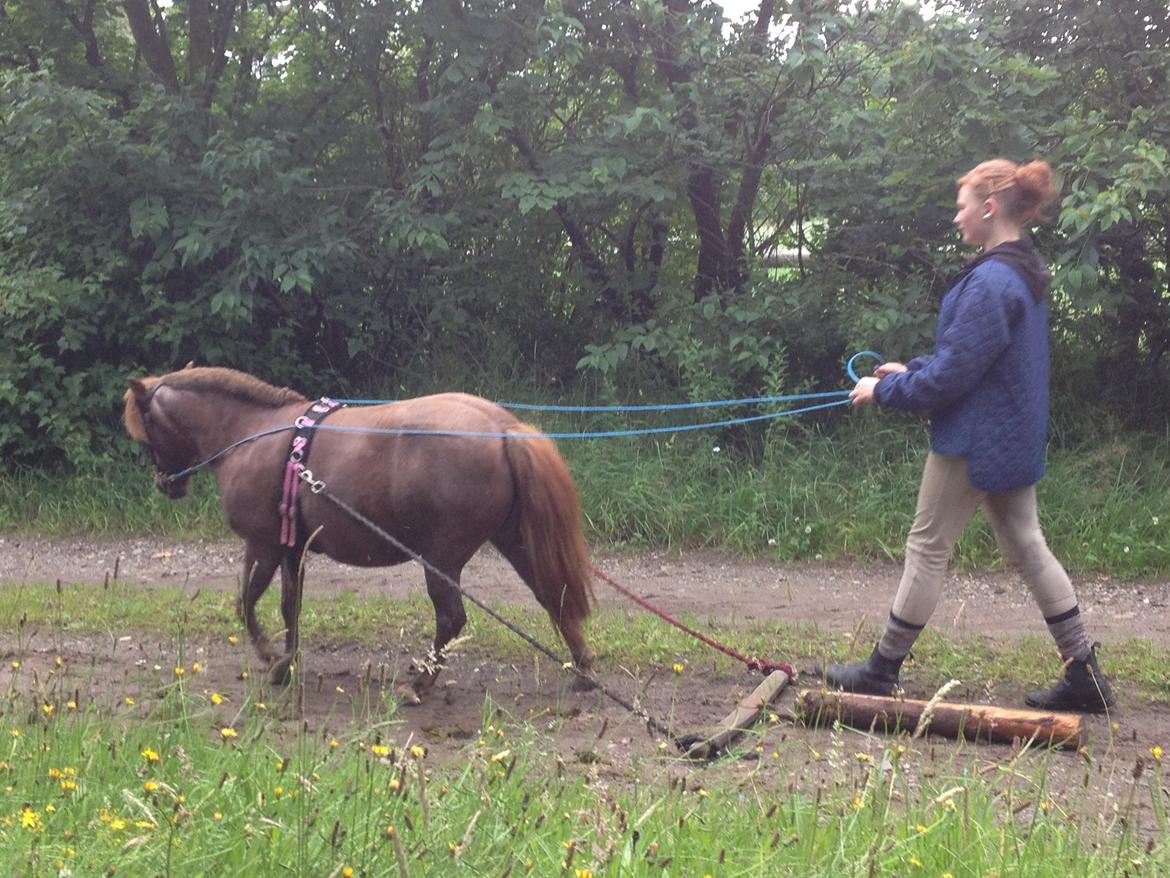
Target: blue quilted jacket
[(986, 384)]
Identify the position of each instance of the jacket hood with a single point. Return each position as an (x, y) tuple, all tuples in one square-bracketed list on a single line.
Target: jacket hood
[(1022, 256)]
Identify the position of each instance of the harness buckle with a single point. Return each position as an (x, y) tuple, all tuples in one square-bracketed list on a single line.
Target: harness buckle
[(315, 485)]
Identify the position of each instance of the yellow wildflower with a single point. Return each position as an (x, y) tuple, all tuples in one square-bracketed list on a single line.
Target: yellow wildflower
[(216, 698), (679, 667), (1156, 752), (150, 786), (417, 752), (150, 755), (31, 820), (379, 749), (228, 732), (48, 709)]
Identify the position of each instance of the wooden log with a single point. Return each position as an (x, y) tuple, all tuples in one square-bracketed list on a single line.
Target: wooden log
[(714, 742), (975, 722)]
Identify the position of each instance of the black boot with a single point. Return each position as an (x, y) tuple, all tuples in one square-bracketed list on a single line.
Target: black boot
[(877, 675), (1082, 688)]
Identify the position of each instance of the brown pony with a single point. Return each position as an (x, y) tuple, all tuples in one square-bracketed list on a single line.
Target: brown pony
[(442, 496)]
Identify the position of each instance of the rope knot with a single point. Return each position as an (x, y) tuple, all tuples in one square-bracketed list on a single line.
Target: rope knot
[(766, 667)]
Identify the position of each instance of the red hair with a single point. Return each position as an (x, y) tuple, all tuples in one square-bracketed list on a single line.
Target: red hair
[(1024, 191)]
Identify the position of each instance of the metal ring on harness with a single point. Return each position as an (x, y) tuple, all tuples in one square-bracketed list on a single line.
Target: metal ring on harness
[(315, 485)]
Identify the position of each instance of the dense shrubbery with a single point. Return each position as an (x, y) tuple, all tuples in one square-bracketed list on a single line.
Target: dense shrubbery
[(368, 197)]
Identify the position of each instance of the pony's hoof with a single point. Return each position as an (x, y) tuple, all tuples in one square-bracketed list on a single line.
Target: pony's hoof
[(407, 695), (583, 684), (280, 674)]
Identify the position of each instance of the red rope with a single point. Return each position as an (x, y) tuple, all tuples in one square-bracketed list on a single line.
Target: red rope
[(754, 664)]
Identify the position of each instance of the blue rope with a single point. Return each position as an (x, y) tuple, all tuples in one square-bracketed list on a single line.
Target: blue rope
[(849, 366), (597, 434), (664, 407)]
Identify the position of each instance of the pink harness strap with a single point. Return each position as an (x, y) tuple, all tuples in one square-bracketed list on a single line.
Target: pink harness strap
[(289, 507)]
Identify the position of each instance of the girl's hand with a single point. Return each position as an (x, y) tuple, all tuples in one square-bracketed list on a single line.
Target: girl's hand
[(862, 393), (888, 369)]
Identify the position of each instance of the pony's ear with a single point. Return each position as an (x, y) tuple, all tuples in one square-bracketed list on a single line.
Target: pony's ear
[(138, 388), (190, 365)]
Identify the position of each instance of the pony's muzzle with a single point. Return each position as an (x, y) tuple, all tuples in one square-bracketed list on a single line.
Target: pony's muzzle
[(173, 489)]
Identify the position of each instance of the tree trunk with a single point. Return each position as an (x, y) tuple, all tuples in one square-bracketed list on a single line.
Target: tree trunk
[(152, 44)]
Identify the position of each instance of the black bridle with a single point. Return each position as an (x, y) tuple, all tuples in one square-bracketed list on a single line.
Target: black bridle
[(161, 472)]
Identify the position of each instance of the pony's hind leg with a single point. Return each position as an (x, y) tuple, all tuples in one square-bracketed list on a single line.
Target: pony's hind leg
[(450, 617), (260, 563), (291, 584), (570, 628)]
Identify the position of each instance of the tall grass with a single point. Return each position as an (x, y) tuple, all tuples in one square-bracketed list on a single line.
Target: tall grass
[(197, 784), (792, 493)]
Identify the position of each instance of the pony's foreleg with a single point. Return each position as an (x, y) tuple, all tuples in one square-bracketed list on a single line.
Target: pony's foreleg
[(450, 617), (291, 583), (260, 564)]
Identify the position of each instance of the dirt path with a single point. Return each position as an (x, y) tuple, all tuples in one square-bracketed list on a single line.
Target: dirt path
[(348, 685), (996, 605)]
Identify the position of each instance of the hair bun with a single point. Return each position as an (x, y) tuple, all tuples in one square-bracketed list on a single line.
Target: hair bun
[(1035, 188)]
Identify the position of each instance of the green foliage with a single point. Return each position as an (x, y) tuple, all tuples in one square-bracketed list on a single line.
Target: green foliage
[(351, 194)]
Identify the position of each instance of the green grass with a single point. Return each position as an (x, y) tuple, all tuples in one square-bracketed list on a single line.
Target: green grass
[(795, 495), (193, 787), (159, 776)]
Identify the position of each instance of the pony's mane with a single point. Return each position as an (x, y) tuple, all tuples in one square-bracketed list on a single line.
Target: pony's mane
[(240, 385)]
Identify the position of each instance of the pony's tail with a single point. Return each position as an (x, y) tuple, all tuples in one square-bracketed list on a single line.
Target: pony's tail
[(550, 524)]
